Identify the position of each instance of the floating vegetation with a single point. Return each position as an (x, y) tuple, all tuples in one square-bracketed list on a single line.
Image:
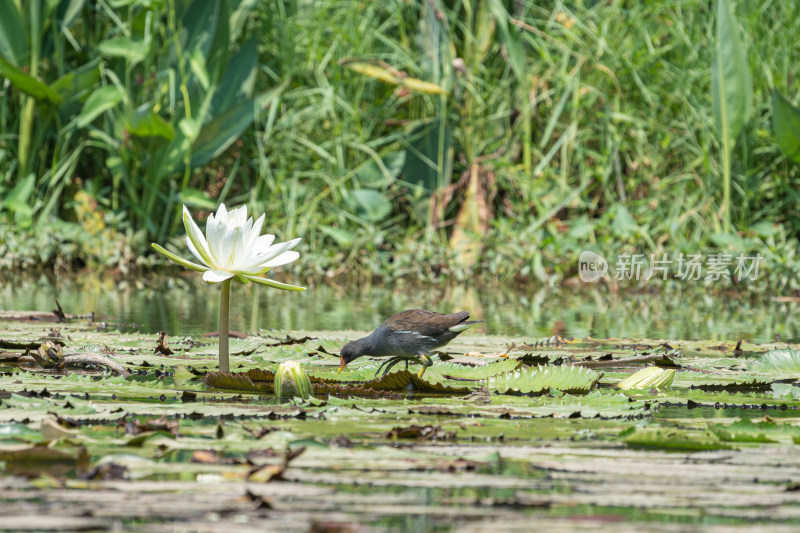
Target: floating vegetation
[(782, 363), (647, 378), (543, 379), (187, 440)]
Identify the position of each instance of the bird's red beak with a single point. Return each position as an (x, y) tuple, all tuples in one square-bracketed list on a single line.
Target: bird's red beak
[(342, 364)]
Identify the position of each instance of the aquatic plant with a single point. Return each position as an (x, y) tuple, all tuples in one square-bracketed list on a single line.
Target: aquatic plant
[(232, 249), (291, 380)]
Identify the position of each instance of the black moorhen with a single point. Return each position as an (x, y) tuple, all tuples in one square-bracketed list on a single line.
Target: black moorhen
[(408, 336)]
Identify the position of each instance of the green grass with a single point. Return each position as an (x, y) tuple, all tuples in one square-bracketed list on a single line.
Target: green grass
[(602, 138)]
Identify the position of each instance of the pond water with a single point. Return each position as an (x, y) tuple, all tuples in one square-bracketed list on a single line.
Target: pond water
[(184, 305)]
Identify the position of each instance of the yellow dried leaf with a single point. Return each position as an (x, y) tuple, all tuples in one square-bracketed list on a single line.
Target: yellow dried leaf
[(420, 86), (374, 71)]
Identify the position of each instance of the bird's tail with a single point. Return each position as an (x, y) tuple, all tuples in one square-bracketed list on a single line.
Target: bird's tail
[(464, 325)]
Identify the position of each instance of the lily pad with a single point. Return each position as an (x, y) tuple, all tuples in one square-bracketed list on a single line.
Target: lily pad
[(674, 439), (256, 380), (543, 378), (783, 362)]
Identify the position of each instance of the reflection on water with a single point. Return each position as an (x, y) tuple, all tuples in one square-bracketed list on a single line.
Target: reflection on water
[(187, 306)]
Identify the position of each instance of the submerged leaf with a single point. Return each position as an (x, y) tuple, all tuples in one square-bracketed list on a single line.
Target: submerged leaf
[(543, 378), (647, 378)]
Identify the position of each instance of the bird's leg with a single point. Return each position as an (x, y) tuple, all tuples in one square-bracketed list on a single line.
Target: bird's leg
[(426, 362), (391, 362), (383, 365)]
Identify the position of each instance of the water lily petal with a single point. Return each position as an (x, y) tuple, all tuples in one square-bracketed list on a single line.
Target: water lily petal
[(194, 250), (263, 243), (277, 249), (239, 251), (178, 259), (283, 259), (222, 214), (216, 276), (238, 216), (256, 263), (215, 232), (274, 284), (226, 245), (198, 240), (255, 232)]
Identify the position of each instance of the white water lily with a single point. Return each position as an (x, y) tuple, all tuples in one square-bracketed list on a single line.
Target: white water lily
[(232, 249)]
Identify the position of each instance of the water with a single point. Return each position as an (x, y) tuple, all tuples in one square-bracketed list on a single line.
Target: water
[(184, 305)]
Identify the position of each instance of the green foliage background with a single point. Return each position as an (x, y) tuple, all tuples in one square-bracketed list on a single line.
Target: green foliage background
[(588, 124)]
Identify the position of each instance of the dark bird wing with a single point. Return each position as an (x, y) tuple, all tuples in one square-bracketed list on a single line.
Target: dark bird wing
[(427, 323)]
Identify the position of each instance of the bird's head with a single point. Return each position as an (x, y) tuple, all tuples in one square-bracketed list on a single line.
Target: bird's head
[(351, 350)]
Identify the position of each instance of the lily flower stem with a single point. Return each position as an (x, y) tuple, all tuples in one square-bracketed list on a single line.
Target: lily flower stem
[(224, 315)]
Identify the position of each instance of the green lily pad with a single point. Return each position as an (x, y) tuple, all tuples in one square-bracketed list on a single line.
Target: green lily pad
[(783, 362), (674, 439), (257, 380), (543, 378)]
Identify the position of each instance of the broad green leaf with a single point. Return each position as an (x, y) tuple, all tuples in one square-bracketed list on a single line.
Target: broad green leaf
[(369, 204), (731, 85), (786, 126), (132, 50), (781, 362), (100, 101), (647, 378), (28, 84), (18, 203), (544, 378), (377, 176), (238, 80), (423, 154), (146, 123), (75, 86), (18, 196), (206, 28), (222, 131), (196, 198), (13, 42), (190, 127), (342, 237), (197, 62)]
